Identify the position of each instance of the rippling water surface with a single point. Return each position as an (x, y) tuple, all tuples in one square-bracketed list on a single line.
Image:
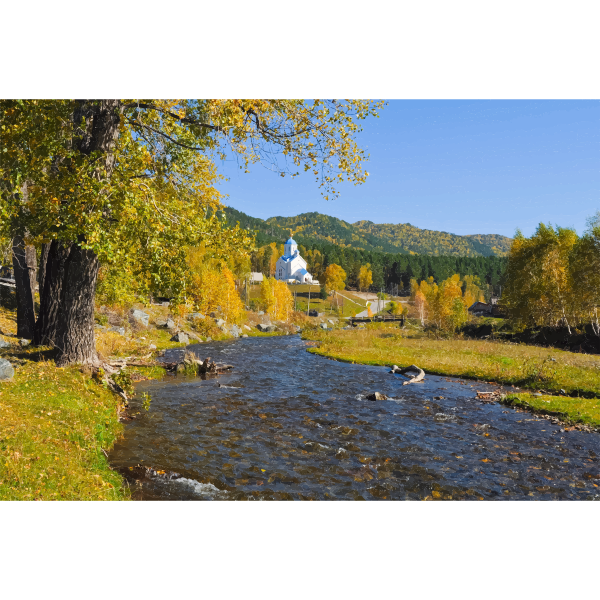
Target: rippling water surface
[(290, 425)]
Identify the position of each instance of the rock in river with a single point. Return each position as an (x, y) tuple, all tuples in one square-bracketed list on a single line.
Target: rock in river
[(376, 396), (6, 369)]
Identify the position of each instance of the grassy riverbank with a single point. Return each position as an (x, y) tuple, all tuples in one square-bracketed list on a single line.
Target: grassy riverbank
[(570, 410), (55, 426), (529, 367)]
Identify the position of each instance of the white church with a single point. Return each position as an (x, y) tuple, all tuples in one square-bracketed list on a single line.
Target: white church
[(291, 266)]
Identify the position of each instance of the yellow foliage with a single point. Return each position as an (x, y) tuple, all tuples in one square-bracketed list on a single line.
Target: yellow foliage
[(335, 278), (445, 305), (214, 288), (365, 277), (276, 298)]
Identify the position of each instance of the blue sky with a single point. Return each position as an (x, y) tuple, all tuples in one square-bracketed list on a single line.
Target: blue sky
[(480, 166)]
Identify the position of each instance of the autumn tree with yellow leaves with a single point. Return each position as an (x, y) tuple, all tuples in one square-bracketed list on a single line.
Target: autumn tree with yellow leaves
[(365, 277), (445, 306), (90, 181), (276, 299), (553, 278), (335, 278), (213, 288)]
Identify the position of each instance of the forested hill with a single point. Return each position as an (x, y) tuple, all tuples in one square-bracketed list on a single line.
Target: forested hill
[(436, 243), (365, 235)]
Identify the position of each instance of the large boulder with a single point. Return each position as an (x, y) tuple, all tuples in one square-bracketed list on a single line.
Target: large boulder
[(6, 369), (247, 328), (196, 315), (323, 325), (161, 322), (313, 313), (181, 337), (266, 328), (119, 330), (219, 322), (171, 324), (4, 343), (141, 317)]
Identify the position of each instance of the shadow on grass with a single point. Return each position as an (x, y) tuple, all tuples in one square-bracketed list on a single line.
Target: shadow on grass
[(8, 298), (31, 354)]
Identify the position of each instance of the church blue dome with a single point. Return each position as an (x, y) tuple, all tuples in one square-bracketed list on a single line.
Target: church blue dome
[(291, 241)]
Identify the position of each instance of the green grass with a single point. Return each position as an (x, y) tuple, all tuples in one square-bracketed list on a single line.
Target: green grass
[(529, 367), (571, 410), (256, 333), (54, 425)]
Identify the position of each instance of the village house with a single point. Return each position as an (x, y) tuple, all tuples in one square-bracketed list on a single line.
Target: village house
[(483, 309), (291, 267)]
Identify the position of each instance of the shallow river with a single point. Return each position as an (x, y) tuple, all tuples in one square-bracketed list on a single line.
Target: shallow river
[(286, 424)]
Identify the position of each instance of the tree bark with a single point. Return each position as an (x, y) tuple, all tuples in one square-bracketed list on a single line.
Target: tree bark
[(51, 295), (75, 338), (24, 263), (42, 268)]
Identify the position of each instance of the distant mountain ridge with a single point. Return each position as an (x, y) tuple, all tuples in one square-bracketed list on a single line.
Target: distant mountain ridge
[(402, 238)]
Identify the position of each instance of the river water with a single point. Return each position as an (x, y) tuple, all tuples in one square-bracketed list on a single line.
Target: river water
[(286, 424)]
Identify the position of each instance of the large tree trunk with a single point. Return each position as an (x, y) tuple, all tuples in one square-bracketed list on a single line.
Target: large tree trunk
[(75, 339), (51, 295), (24, 264)]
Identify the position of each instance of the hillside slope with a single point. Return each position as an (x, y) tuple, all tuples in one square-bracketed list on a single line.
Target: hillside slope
[(402, 238), (427, 241)]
